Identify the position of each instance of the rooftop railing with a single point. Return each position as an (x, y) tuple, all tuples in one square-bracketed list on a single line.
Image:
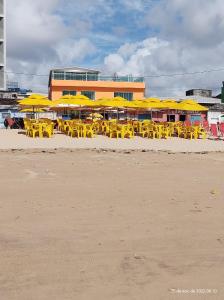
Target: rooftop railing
[(94, 77)]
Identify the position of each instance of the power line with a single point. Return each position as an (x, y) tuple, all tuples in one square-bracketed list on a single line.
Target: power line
[(183, 74), (25, 74), (146, 76)]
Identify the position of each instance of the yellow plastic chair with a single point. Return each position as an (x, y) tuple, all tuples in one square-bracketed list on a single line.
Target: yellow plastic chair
[(33, 131), (166, 132), (74, 131), (48, 130), (144, 131), (190, 132), (158, 131), (126, 131), (113, 131), (87, 130)]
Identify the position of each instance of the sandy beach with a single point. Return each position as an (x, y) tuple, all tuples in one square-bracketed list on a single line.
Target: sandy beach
[(93, 224), (14, 139)]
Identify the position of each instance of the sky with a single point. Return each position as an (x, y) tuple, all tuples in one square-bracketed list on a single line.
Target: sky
[(150, 38)]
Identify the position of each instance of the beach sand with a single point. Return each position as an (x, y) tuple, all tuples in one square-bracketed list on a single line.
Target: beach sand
[(14, 139), (91, 224)]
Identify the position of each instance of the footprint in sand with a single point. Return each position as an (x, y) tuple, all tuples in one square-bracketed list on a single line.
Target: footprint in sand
[(31, 174)]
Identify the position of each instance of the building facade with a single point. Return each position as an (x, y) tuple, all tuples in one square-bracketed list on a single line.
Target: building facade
[(199, 92), (2, 45), (216, 114), (74, 81)]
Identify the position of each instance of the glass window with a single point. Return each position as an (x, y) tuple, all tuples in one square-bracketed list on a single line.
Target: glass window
[(75, 76), (61, 75), (92, 77), (128, 96), (58, 75), (89, 94), (81, 76), (72, 93)]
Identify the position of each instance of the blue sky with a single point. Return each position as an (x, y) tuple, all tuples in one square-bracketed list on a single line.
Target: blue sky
[(135, 37)]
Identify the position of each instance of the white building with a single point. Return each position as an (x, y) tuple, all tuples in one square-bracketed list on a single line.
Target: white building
[(216, 114), (207, 101), (2, 45)]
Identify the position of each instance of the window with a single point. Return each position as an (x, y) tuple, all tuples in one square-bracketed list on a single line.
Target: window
[(58, 75), (72, 93), (146, 116), (92, 77), (128, 96), (89, 94), (75, 76), (81, 76)]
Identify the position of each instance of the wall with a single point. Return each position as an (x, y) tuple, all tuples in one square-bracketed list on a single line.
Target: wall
[(2, 45), (102, 88), (213, 116)]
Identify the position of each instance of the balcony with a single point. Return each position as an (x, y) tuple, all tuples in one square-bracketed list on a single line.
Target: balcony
[(93, 77)]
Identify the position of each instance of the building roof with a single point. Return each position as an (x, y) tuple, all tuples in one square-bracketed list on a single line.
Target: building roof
[(9, 107), (75, 70), (199, 90), (72, 70), (199, 99), (217, 107)]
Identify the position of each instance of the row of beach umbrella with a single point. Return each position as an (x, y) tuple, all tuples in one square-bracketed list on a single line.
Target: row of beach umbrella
[(37, 102)]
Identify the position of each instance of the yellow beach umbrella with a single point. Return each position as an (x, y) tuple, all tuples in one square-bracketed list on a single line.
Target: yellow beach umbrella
[(35, 102), (100, 102), (111, 103), (117, 102), (34, 97), (29, 110), (65, 100), (170, 104), (191, 105), (71, 103), (151, 99), (153, 104), (37, 96), (82, 97)]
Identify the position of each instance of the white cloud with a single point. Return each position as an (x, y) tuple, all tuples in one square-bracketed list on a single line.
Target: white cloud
[(183, 36), (114, 63), (197, 22), (38, 39), (153, 57), (73, 50), (190, 37)]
